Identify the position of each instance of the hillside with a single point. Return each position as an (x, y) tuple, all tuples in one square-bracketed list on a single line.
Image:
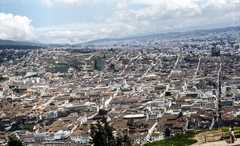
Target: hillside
[(201, 138)]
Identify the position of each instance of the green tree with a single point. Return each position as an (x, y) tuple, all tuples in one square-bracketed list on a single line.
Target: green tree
[(102, 112), (14, 141), (102, 135), (131, 123), (126, 141), (167, 132), (119, 141), (52, 103), (180, 114), (95, 65), (71, 99), (168, 94), (112, 66), (2, 78), (99, 135)]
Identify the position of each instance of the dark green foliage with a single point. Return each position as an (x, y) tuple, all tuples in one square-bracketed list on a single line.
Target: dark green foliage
[(131, 123), (16, 90), (74, 63), (71, 99), (2, 78), (66, 63), (102, 112), (102, 135), (119, 141), (59, 68), (99, 61), (168, 94), (95, 64), (167, 132), (28, 126), (52, 103), (20, 74), (99, 134), (211, 83), (17, 61), (96, 60), (126, 141), (68, 76), (112, 67), (98, 64), (180, 114), (25, 47), (178, 140), (14, 141)]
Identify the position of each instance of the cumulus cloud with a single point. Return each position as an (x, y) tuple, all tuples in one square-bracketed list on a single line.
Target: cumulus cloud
[(16, 27), (167, 15), (127, 18), (65, 36), (154, 16), (122, 5), (77, 33)]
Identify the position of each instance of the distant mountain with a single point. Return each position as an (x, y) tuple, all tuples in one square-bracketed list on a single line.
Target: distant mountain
[(59, 45), (21, 44), (10, 42), (170, 35)]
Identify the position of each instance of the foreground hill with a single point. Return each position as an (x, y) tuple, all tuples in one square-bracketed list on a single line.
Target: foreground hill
[(201, 138)]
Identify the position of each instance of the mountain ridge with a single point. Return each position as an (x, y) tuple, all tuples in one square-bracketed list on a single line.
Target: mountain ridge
[(169, 35)]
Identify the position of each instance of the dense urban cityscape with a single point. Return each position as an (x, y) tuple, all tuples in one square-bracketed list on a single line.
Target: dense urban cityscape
[(148, 89)]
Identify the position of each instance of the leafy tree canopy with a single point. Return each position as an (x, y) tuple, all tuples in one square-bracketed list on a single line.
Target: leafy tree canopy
[(102, 135), (14, 141)]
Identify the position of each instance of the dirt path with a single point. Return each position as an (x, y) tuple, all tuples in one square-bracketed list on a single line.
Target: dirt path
[(210, 137), (213, 139)]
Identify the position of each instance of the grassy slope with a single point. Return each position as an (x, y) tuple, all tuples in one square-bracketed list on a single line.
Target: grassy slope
[(179, 140), (187, 139)]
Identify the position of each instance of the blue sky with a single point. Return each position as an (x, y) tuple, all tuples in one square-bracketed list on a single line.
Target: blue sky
[(76, 21)]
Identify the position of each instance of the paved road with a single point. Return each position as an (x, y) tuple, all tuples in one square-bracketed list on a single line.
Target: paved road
[(176, 63)]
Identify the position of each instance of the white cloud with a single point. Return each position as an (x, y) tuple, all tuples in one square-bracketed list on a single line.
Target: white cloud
[(16, 27), (122, 6), (127, 18), (65, 36), (167, 15), (77, 33), (99, 18), (154, 17)]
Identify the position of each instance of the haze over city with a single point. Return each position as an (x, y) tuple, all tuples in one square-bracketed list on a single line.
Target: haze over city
[(77, 21)]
